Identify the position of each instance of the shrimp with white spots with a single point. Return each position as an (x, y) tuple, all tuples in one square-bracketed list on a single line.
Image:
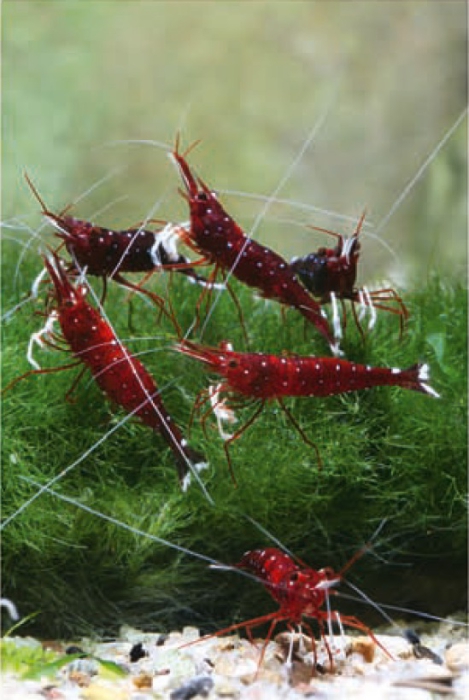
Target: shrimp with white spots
[(218, 238), (301, 592), (262, 377), (118, 373), (330, 275), (107, 253)]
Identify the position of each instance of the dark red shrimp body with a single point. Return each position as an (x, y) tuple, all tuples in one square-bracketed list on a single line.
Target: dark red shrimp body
[(215, 235), (104, 252), (301, 593), (107, 253), (325, 271), (264, 376), (299, 590), (331, 273), (261, 377), (294, 588), (331, 270), (120, 375)]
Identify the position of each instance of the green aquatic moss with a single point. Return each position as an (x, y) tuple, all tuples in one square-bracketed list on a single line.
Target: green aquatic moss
[(386, 454)]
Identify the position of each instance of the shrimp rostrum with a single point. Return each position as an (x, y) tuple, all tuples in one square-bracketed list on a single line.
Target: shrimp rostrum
[(259, 377), (330, 275), (119, 374)]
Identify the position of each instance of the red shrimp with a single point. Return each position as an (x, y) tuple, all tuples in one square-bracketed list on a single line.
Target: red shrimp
[(216, 236), (107, 253), (120, 375), (262, 377), (330, 274), (301, 592)]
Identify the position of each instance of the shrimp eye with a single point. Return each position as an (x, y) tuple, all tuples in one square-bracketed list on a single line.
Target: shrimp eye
[(232, 364), (294, 577), (202, 197)]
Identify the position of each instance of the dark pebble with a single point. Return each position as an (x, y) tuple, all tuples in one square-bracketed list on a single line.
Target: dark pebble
[(162, 639), (137, 652), (197, 686), (76, 650), (421, 651), (411, 636)]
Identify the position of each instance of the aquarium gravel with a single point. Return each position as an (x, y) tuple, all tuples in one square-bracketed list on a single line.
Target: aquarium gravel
[(180, 666)]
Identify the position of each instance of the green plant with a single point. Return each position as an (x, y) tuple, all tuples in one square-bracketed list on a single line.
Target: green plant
[(385, 451)]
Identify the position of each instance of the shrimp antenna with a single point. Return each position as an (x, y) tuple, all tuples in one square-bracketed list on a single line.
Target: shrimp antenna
[(214, 564), (84, 194), (118, 523), (422, 168), (64, 472), (363, 550), (273, 539), (302, 206), (144, 142), (190, 148), (35, 192), (380, 607)]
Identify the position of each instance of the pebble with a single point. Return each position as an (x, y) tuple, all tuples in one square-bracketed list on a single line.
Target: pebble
[(137, 652), (160, 682), (457, 657), (363, 646), (144, 680), (173, 668), (100, 692), (196, 686)]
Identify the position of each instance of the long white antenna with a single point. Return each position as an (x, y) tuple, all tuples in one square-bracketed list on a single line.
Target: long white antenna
[(417, 175)]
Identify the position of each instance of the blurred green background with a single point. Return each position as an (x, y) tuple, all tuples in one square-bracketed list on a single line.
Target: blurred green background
[(383, 82)]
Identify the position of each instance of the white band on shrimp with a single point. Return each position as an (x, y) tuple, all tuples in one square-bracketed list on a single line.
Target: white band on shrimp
[(366, 302), (289, 659), (36, 338), (340, 625), (196, 468), (54, 222), (371, 306), (361, 301), (424, 376), (347, 247), (221, 411), (336, 317), (167, 239), (208, 285)]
